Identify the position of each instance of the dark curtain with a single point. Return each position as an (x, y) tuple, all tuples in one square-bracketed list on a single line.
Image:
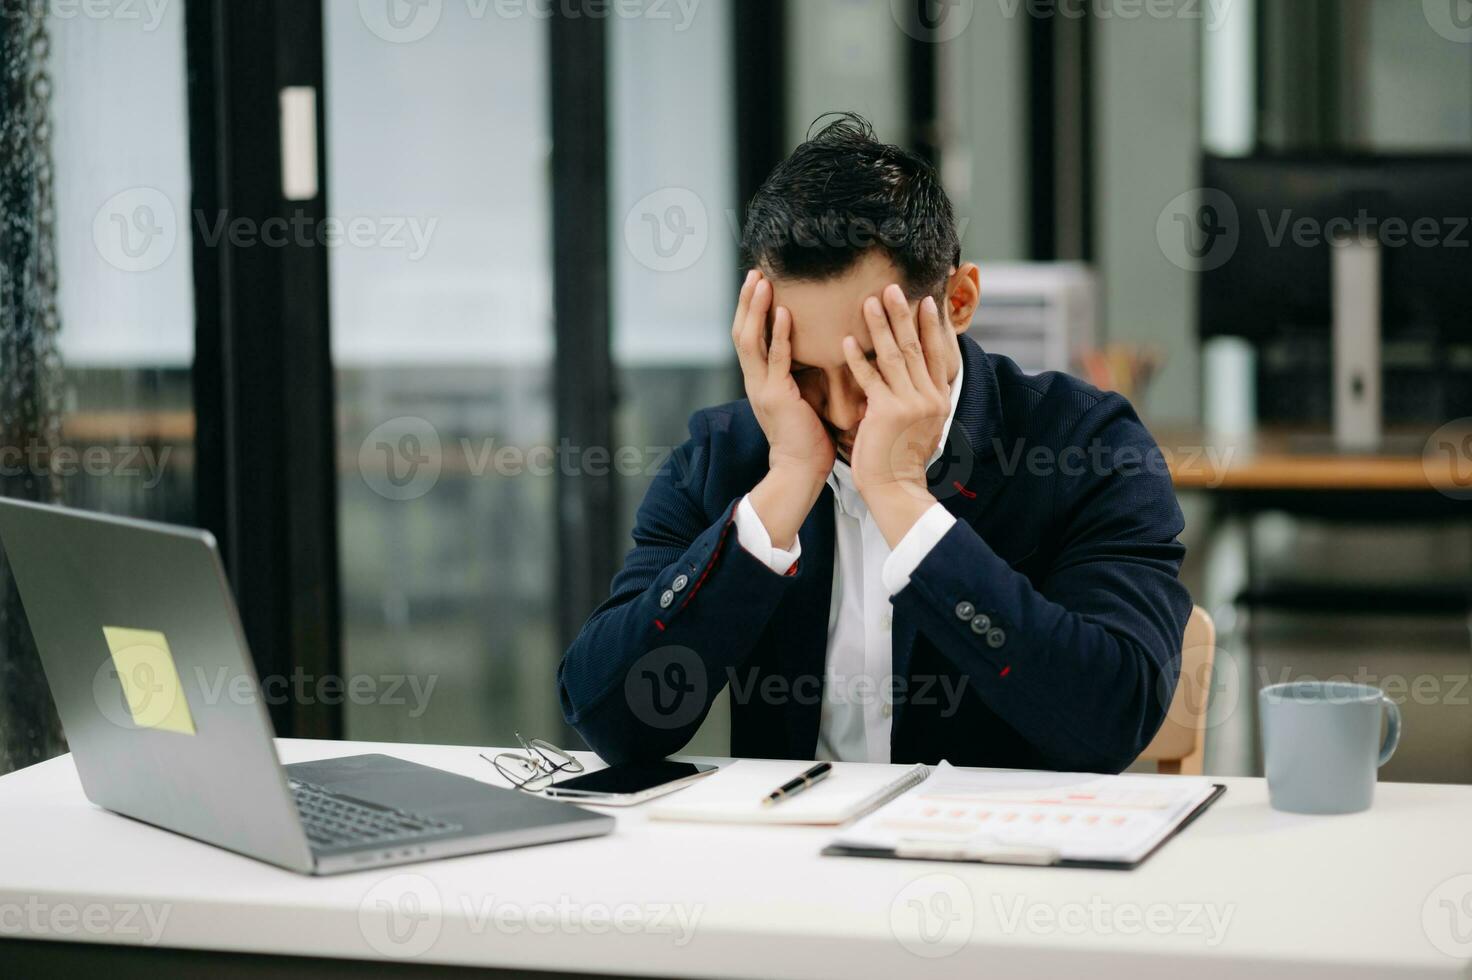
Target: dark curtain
[(29, 366)]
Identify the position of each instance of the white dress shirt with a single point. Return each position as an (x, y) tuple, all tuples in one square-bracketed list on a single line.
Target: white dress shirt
[(854, 725)]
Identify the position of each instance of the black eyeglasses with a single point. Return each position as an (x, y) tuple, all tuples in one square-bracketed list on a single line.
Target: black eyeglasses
[(532, 770)]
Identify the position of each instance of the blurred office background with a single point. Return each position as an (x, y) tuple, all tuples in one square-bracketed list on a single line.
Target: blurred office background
[(406, 301)]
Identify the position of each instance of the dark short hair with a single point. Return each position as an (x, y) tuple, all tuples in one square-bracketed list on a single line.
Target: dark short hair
[(842, 194)]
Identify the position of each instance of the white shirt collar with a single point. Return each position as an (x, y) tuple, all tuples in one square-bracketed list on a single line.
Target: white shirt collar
[(841, 478)]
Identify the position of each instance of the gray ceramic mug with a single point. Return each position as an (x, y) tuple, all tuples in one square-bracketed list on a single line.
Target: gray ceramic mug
[(1321, 744)]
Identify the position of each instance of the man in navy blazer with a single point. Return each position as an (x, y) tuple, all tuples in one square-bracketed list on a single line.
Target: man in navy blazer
[(898, 547)]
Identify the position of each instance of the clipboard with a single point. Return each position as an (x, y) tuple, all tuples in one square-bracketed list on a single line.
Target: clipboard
[(1020, 856)]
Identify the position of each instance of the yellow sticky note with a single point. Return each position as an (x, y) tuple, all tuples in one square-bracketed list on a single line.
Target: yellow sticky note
[(150, 681)]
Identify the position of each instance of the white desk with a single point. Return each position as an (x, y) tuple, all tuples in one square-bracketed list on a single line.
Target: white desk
[(1338, 897)]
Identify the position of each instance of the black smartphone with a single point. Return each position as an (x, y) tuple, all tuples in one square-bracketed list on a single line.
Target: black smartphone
[(629, 784)]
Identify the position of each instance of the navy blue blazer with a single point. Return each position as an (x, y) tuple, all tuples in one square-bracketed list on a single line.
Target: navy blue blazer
[(1042, 632)]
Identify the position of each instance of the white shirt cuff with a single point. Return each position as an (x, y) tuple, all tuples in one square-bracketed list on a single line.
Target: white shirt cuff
[(914, 546), (752, 534)]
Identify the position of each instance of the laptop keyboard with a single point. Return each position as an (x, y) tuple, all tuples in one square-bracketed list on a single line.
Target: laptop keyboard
[(331, 820)]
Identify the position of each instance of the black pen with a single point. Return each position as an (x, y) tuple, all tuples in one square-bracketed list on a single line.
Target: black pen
[(799, 783)]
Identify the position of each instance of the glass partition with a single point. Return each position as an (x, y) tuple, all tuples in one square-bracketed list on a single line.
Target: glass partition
[(437, 151)]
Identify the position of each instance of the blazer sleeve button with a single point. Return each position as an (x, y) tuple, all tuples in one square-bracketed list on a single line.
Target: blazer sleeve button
[(964, 611), (666, 599), (995, 638)]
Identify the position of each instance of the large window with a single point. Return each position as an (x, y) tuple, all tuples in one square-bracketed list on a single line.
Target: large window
[(437, 149), (125, 293), (674, 255), (674, 225), (97, 339)]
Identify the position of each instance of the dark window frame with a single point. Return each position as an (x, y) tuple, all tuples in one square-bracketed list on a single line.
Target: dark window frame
[(584, 387), (266, 473)]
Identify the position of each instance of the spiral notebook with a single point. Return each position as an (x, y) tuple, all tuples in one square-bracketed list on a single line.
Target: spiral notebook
[(734, 795)]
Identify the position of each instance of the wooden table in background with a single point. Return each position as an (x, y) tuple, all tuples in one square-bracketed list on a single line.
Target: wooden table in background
[(1421, 477), (1293, 461)]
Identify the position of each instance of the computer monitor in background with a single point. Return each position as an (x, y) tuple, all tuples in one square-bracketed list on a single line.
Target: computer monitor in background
[(1277, 222)]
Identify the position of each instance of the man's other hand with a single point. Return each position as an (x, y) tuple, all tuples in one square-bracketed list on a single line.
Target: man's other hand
[(909, 399), (801, 453)]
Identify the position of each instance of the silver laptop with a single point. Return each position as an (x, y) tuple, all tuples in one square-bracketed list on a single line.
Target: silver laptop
[(146, 658)]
